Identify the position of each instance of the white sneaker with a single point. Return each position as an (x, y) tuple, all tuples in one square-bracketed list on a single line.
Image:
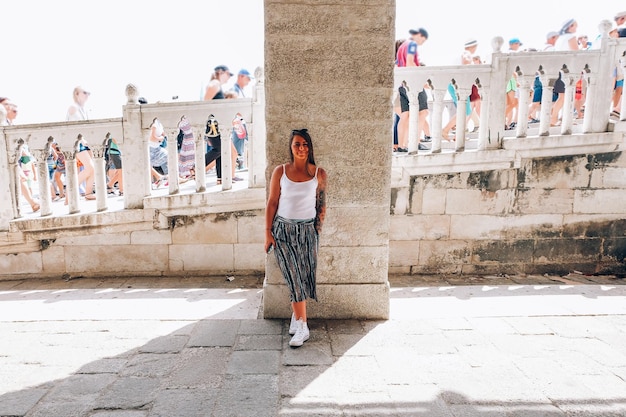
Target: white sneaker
[(302, 334), (293, 326)]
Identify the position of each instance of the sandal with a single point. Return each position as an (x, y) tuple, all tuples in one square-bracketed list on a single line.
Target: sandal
[(35, 207), (90, 197), (219, 181)]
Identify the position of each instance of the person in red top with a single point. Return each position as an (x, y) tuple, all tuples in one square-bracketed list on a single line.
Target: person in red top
[(407, 53), (407, 57)]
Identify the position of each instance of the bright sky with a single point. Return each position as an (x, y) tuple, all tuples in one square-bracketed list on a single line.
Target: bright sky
[(169, 48)]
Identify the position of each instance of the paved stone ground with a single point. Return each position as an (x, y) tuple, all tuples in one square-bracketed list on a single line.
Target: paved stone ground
[(501, 346)]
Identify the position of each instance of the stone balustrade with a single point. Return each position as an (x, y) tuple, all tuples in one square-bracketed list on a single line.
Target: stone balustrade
[(132, 134), (595, 65)]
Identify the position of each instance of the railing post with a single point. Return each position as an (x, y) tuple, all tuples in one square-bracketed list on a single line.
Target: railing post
[(45, 198), (461, 118), (590, 102), (485, 98), (200, 176), (71, 181), (257, 137), (7, 184), (496, 105), (413, 122), (136, 173), (227, 163), (567, 112), (16, 179), (99, 167), (436, 127), (546, 104), (172, 163), (521, 130)]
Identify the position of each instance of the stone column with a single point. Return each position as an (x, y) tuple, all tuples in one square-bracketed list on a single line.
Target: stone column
[(200, 173), (100, 177), (71, 181), (256, 144), (136, 172), (8, 198), (437, 117), (461, 118), (315, 80), (41, 165), (522, 109), (547, 88)]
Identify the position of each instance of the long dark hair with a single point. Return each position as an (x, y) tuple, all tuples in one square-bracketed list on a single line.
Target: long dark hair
[(305, 134)]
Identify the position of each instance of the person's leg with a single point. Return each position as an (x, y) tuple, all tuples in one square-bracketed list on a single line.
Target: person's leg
[(299, 309), (28, 195), (403, 130), (87, 174), (59, 182), (556, 108)]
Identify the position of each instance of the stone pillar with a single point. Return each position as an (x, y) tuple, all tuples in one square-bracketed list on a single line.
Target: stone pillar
[(315, 80), (100, 177), (8, 198), (413, 122), (435, 127), (256, 144), (547, 88), (71, 181), (136, 172), (522, 109), (41, 165), (200, 172), (461, 118)]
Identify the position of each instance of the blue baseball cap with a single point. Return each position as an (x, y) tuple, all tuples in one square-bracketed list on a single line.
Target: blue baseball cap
[(245, 72), (514, 40)]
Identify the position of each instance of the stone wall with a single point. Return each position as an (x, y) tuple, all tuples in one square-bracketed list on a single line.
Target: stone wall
[(550, 215)]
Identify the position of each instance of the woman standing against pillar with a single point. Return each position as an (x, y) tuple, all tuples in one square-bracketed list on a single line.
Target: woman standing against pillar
[(295, 212)]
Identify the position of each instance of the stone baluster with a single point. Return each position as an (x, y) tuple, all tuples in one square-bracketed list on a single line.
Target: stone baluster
[(71, 181), (547, 87), (172, 163), (227, 163), (16, 179), (590, 100), (461, 118), (200, 175), (436, 126), (100, 177), (567, 113), (137, 171), (526, 81), (622, 68), (257, 134), (43, 176), (413, 122), (484, 118)]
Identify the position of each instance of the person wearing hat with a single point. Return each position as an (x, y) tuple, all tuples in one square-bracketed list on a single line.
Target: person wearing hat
[(567, 37), (221, 75), (470, 49), (243, 79), (514, 45), (620, 22), (407, 52), (551, 39)]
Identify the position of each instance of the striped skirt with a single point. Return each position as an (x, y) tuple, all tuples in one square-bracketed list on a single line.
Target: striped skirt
[(296, 254), (158, 156)]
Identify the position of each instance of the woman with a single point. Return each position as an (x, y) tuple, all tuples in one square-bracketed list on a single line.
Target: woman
[(221, 75), (158, 154), (295, 212), (28, 175), (78, 112)]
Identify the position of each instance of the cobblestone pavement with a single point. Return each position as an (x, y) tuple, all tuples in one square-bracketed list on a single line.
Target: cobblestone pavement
[(453, 346)]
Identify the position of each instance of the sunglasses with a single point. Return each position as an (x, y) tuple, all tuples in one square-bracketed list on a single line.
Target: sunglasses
[(299, 131)]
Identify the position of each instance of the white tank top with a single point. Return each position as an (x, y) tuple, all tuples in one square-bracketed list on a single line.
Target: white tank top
[(297, 199)]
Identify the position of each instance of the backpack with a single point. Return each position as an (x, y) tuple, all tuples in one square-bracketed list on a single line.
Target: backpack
[(179, 139), (239, 127), (212, 127)]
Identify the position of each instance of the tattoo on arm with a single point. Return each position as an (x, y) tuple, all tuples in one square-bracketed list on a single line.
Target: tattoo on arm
[(321, 209)]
